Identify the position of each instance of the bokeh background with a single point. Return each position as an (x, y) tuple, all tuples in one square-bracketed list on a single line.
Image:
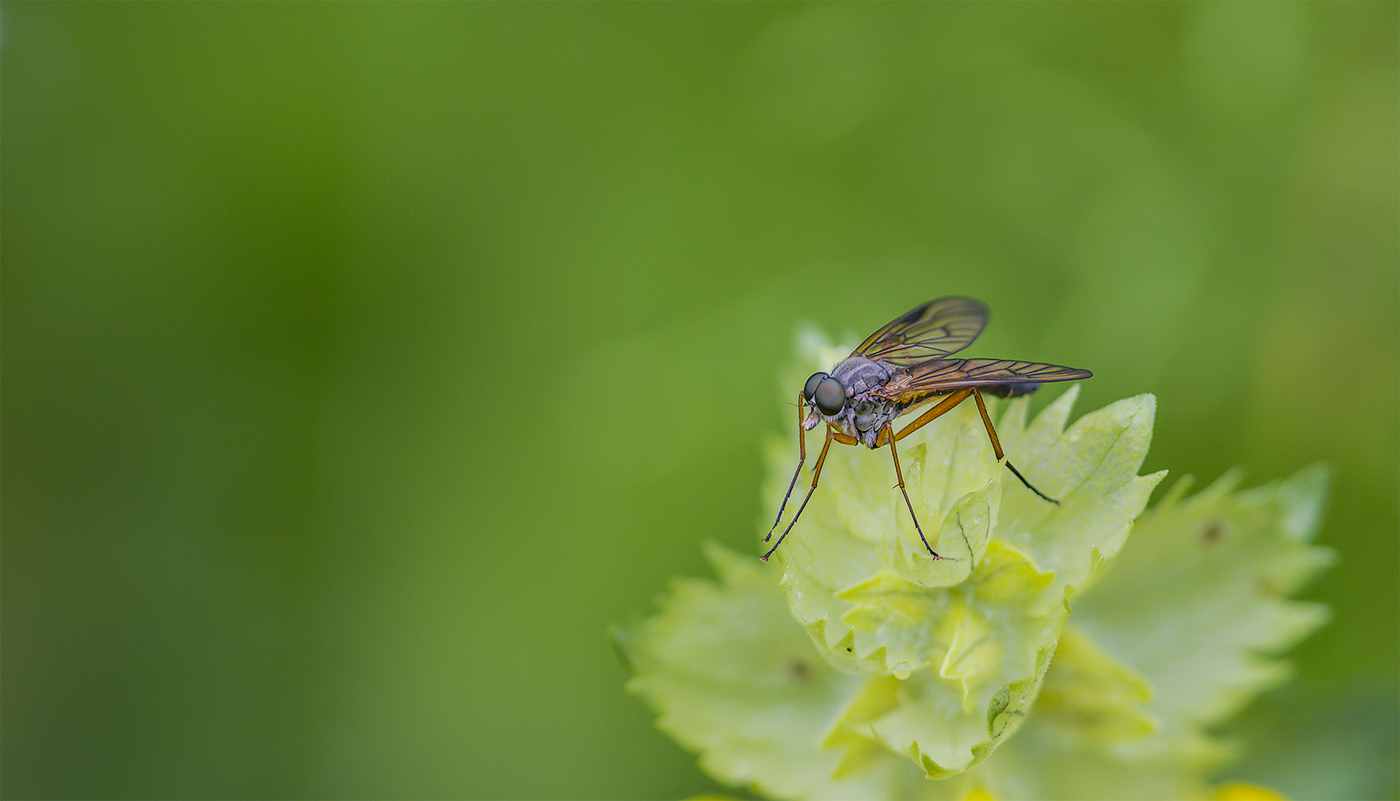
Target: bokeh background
[(363, 363)]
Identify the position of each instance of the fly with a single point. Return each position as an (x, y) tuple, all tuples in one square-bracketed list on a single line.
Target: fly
[(900, 368)]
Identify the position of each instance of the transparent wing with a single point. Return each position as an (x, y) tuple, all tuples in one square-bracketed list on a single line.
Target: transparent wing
[(947, 374), (931, 331)]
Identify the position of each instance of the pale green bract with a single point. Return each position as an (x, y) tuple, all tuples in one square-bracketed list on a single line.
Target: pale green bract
[(869, 670)]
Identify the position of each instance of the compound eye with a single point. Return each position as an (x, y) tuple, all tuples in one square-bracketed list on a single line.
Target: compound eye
[(811, 388), (830, 396)]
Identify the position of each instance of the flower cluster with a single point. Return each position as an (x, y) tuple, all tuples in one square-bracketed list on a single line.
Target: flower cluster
[(1047, 655)]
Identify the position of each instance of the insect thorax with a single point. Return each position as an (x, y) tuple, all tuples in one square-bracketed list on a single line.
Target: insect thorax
[(864, 414), (860, 375)]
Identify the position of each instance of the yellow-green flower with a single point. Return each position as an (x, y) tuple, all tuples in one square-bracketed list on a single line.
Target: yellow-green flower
[(1048, 655)]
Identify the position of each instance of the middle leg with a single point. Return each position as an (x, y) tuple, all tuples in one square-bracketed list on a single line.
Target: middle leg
[(888, 434)]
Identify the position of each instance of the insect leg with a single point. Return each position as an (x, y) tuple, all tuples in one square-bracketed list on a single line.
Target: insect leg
[(832, 435), (996, 446), (943, 407), (801, 457), (888, 434)]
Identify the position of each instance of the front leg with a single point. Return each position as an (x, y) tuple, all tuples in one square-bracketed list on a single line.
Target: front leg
[(832, 435), (801, 457)]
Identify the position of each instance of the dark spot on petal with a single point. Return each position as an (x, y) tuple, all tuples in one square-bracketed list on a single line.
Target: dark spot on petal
[(1212, 532), (799, 670)]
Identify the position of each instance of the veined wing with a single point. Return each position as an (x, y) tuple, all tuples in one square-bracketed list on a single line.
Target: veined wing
[(948, 374), (931, 331)]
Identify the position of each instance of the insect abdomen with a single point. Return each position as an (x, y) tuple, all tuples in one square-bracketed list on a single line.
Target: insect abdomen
[(1012, 390)]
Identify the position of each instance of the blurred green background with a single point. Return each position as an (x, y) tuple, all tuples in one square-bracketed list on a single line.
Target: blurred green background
[(362, 363)]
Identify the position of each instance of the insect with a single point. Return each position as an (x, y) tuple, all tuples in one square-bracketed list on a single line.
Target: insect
[(898, 369)]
